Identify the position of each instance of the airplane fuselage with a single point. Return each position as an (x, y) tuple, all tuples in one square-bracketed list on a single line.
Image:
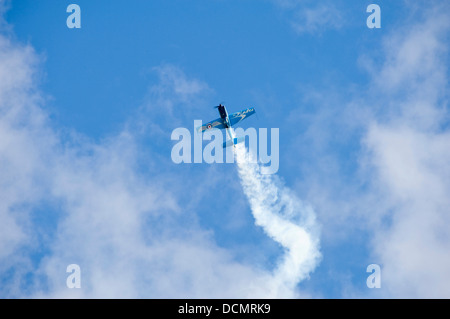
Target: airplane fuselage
[(224, 115), (226, 121)]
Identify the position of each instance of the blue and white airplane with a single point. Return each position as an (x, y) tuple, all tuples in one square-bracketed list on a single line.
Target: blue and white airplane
[(226, 121)]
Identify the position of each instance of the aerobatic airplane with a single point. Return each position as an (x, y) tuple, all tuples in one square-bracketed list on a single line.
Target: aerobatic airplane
[(226, 121)]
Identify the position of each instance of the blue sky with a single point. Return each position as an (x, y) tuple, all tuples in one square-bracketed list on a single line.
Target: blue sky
[(87, 116)]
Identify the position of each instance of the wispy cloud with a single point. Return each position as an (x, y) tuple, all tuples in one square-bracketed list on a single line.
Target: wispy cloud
[(389, 176), (312, 17), (67, 199), (409, 150)]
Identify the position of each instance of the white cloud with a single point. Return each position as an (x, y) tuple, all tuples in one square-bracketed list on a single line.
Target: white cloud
[(379, 163), (68, 200), (409, 149), (317, 19), (413, 174), (175, 94), (312, 17)]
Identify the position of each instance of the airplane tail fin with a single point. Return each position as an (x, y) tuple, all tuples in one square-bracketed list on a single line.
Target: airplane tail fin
[(234, 141)]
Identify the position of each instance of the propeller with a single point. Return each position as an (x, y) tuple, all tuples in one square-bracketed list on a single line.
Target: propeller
[(220, 104)]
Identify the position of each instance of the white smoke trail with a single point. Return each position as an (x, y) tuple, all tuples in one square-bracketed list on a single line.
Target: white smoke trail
[(284, 218)]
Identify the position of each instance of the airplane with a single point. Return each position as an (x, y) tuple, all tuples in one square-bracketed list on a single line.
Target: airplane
[(226, 121)]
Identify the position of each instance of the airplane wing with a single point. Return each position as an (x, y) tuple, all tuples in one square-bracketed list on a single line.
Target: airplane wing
[(239, 116), (217, 123)]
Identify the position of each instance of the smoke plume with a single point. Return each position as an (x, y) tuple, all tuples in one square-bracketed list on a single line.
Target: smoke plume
[(284, 218)]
